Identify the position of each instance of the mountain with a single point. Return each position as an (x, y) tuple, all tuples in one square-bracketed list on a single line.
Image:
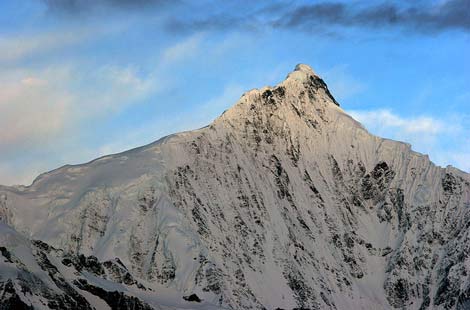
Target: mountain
[(284, 201)]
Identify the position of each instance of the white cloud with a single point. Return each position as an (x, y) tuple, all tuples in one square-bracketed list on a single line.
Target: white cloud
[(443, 139), (37, 106), (385, 119), (30, 108)]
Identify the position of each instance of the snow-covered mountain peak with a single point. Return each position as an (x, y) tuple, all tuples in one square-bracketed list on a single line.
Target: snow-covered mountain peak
[(284, 202), (302, 95)]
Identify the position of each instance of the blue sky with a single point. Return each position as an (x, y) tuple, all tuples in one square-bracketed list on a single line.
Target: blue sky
[(80, 79)]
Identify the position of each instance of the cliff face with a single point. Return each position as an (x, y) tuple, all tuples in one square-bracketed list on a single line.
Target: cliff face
[(283, 201)]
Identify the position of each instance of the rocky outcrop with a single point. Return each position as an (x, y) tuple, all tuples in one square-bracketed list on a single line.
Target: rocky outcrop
[(35, 275)]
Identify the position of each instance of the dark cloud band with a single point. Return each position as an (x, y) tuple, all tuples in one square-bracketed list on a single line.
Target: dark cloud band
[(80, 6), (320, 16), (452, 14), (419, 17)]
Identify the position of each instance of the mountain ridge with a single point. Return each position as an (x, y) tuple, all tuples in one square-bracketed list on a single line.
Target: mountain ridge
[(306, 71)]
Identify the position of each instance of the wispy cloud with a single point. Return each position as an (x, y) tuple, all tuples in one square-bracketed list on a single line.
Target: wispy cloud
[(444, 139), (183, 50), (31, 107), (42, 107), (385, 119), (39, 106), (16, 47)]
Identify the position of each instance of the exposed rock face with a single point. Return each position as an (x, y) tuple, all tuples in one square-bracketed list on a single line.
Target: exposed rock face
[(284, 202), (35, 275)]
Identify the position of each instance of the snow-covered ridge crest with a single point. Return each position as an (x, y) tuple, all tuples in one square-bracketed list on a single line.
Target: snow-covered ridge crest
[(284, 201)]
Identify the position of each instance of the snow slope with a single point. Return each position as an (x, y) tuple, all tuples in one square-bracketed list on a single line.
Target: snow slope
[(284, 201)]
